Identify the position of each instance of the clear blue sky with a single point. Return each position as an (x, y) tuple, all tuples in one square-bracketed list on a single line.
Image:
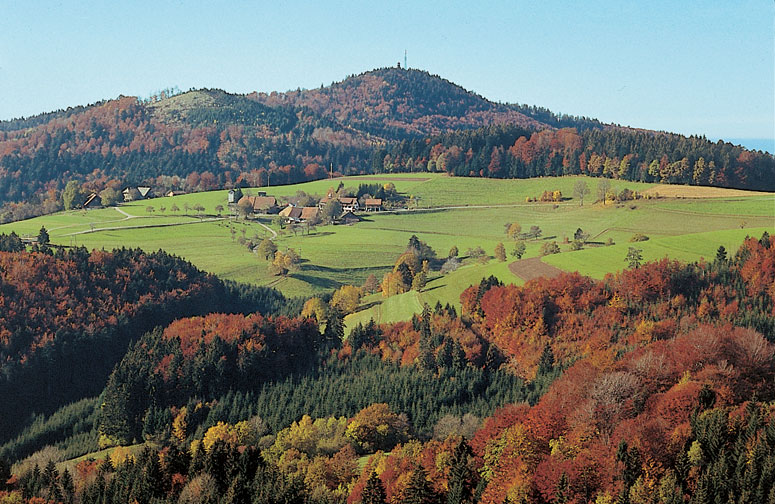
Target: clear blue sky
[(691, 67)]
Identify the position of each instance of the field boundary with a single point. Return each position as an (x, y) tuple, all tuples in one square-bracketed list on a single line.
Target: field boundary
[(529, 269)]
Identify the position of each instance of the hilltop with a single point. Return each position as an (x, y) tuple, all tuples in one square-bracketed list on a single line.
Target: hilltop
[(386, 120)]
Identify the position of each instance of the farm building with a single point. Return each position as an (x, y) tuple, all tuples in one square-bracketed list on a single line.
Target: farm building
[(348, 218), (137, 193), (260, 204), (93, 201), (348, 204), (174, 193), (236, 194), (299, 214), (373, 204)]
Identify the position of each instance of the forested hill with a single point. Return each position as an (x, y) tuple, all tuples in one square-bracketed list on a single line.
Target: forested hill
[(392, 103), (207, 139)]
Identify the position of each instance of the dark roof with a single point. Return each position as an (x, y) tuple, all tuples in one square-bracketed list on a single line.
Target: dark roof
[(92, 199), (349, 217)]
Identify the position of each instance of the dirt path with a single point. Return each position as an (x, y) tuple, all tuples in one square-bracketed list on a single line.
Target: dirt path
[(528, 269), (274, 233), (144, 226), (121, 211)]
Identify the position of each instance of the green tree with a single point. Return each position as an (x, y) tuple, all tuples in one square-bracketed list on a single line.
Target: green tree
[(419, 281), (548, 248), (43, 238), (461, 475), (72, 196), (519, 249), (453, 252), (331, 211), (419, 490), (266, 249), (110, 196), (634, 257), (374, 491), (721, 255)]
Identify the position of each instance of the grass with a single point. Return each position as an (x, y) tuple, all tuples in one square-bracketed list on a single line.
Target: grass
[(337, 255), (441, 288), (596, 262)]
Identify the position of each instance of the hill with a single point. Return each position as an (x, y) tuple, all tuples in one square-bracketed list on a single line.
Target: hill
[(381, 121), (393, 104)]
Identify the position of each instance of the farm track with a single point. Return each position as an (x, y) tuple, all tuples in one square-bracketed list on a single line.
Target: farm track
[(702, 214), (145, 226)]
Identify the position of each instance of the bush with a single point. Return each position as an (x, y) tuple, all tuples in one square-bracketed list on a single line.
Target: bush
[(548, 248), (638, 237)]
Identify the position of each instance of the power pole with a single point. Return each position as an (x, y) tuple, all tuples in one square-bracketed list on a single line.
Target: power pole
[(405, 67)]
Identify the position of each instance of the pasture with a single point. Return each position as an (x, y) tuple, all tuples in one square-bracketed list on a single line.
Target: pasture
[(449, 211)]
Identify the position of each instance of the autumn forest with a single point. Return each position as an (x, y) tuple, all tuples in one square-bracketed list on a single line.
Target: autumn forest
[(134, 376)]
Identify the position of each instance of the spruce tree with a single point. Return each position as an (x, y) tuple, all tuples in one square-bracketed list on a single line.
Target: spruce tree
[(374, 491), (419, 490), (461, 476)]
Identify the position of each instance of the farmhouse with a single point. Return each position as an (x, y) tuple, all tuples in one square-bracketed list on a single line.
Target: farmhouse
[(299, 214), (348, 204), (260, 204), (291, 213), (93, 201), (137, 193), (373, 204), (174, 193)]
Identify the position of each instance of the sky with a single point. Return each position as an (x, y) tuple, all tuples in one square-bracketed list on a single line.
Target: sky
[(691, 67)]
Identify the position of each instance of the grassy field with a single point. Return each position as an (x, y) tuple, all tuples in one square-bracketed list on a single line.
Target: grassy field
[(466, 213)]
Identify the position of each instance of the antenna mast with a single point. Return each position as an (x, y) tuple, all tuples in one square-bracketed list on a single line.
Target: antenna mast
[(405, 67)]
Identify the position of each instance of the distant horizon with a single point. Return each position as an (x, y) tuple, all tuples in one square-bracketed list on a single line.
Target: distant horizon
[(692, 68)]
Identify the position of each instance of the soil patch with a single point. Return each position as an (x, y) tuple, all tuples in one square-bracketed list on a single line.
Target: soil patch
[(387, 179), (528, 269), (680, 191)]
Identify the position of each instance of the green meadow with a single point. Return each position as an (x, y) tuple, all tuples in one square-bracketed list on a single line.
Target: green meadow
[(449, 211)]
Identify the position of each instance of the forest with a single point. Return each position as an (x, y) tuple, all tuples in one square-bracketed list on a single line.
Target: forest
[(653, 385), (387, 120), (68, 315)]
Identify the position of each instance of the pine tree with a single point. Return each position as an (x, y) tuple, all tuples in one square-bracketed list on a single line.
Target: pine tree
[(374, 491), (419, 490), (563, 488), (461, 476)]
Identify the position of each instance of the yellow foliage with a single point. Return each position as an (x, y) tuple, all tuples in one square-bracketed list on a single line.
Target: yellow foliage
[(218, 432), (179, 425), (315, 307), (347, 298), (120, 455)]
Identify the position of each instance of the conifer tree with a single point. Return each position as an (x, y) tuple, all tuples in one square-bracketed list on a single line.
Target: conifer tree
[(374, 491)]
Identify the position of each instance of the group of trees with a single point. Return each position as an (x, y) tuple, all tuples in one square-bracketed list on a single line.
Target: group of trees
[(508, 151), (80, 308), (657, 369), (411, 269)]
